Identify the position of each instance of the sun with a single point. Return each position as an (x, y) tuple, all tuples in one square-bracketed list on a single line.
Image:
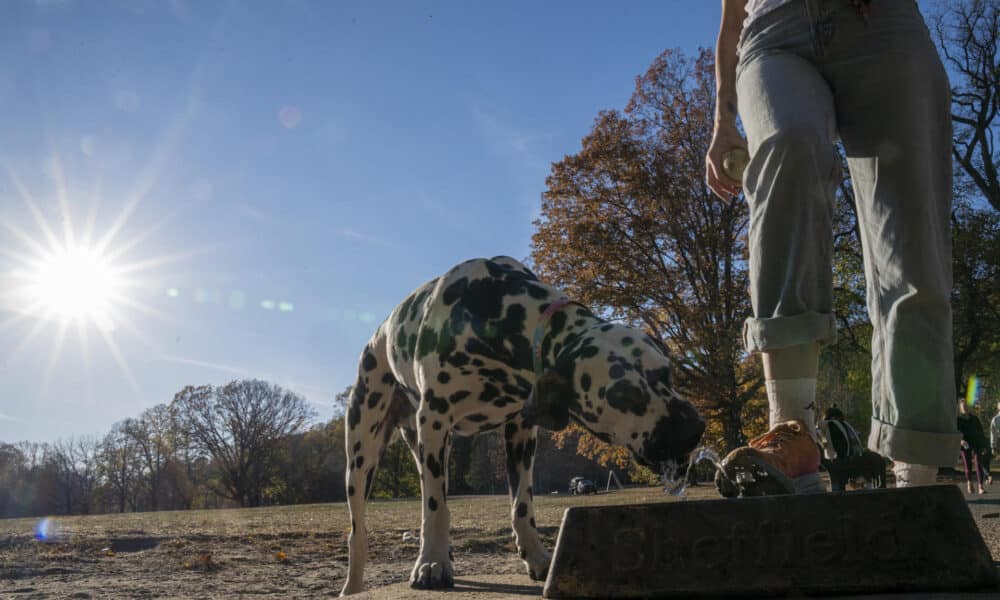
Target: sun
[(75, 278), (73, 283)]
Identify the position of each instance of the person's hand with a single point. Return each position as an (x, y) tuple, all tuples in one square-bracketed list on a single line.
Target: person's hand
[(725, 138)]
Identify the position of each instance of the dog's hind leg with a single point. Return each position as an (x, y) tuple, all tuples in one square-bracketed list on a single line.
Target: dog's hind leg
[(520, 444), (376, 407)]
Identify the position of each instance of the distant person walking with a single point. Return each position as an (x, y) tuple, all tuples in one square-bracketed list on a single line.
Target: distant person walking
[(973, 446), (995, 433)]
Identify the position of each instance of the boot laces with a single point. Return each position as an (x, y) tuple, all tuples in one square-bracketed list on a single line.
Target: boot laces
[(784, 432)]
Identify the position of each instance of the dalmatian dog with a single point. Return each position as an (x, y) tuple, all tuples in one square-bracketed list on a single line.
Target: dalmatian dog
[(488, 346)]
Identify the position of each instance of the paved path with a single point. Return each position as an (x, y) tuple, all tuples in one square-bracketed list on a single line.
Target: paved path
[(985, 510)]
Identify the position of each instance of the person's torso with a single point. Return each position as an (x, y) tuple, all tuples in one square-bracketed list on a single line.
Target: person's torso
[(756, 8), (972, 431)]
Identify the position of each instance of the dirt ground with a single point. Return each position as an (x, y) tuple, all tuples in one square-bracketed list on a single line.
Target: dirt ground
[(286, 552)]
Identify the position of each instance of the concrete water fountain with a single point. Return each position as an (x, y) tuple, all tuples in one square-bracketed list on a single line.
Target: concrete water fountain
[(905, 539)]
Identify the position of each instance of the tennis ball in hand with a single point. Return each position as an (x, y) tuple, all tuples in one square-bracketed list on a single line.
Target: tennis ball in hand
[(734, 162)]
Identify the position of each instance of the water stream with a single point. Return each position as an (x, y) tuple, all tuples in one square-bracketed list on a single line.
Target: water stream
[(676, 475)]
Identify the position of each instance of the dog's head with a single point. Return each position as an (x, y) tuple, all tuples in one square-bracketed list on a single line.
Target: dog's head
[(615, 382)]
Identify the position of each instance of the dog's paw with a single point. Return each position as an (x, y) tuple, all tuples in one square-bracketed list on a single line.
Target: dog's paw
[(538, 567), (432, 576)]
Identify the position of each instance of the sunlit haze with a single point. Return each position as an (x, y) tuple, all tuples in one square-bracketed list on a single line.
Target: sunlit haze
[(196, 192)]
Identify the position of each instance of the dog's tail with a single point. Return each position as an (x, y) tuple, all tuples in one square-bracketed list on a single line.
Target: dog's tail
[(376, 409)]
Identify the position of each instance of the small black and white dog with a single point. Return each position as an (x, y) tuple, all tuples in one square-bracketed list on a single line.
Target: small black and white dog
[(844, 457)]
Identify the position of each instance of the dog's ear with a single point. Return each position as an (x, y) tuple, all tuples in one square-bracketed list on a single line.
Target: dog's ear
[(548, 405)]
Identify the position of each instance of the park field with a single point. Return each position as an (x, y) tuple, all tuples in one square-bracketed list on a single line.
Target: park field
[(282, 551)]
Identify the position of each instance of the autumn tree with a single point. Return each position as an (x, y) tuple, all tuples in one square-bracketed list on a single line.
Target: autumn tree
[(397, 475), (120, 466), (976, 292), (239, 425), (629, 226), (76, 462), (968, 37), (488, 463), (151, 434)]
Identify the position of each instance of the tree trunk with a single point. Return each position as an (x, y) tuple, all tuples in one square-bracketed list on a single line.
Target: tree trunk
[(732, 428)]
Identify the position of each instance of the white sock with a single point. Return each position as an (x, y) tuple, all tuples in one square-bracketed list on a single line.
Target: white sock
[(790, 399), (911, 475)]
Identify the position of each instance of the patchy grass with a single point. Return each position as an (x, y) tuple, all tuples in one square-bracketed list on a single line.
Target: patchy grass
[(284, 551)]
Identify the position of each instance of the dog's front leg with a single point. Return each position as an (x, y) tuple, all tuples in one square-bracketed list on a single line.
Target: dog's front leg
[(433, 567), (520, 444)]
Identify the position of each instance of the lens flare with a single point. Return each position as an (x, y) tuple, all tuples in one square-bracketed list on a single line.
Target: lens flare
[(972, 392), (48, 530)]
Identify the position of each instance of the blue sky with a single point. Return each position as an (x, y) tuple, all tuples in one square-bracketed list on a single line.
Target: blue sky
[(278, 175)]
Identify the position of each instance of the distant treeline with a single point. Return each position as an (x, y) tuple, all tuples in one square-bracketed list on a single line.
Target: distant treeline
[(248, 443)]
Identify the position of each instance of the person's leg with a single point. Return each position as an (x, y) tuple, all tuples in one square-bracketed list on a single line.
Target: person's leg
[(967, 463), (787, 112), (790, 379), (986, 456), (893, 114), (981, 471)]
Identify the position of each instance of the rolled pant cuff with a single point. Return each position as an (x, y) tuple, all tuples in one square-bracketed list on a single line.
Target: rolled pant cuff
[(774, 333), (914, 447)]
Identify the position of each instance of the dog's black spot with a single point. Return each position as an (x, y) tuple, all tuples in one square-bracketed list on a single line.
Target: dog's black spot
[(522, 510), (432, 503), (458, 359), (657, 376), (369, 362), (607, 328), (435, 403), (459, 396), (616, 372), (436, 425), (585, 382), (359, 461), (357, 399), (477, 418), (423, 419), (489, 393), (433, 465), (497, 375), (427, 342), (357, 446), (531, 522), (503, 401), (454, 292), (529, 452), (350, 490), (373, 399), (443, 377), (411, 344), (530, 493)]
